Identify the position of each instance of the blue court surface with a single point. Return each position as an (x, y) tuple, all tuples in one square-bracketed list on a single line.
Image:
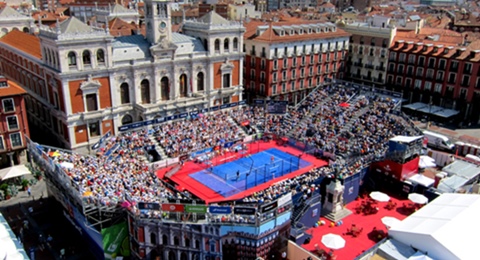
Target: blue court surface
[(247, 172)]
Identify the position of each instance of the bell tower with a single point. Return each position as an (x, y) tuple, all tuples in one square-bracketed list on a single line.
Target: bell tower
[(158, 21)]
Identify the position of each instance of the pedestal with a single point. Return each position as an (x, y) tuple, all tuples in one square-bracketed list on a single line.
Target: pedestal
[(333, 208)]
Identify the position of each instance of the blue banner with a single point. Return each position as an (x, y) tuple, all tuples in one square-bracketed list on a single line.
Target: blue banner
[(219, 210), (223, 106), (259, 101), (214, 108), (197, 153)]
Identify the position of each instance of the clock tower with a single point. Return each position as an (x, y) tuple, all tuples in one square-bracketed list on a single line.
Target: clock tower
[(158, 21)]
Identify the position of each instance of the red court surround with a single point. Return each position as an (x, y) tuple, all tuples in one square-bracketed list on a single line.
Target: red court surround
[(183, 180)]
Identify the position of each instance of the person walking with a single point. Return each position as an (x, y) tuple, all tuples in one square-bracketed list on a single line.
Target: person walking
[(29, 191)]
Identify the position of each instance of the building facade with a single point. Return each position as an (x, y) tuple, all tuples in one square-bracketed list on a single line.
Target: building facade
[(368, 52), (13, 123), (83, 82), (437, 72), (286, 60), (10, 20)]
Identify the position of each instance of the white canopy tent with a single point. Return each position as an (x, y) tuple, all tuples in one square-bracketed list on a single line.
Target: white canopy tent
[(445, 228), (14, 171), (422, 180)]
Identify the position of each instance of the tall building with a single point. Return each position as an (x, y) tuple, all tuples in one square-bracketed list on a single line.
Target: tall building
[(368, 51), (13, 123), (286, 60), (438, 67), (83, 83)]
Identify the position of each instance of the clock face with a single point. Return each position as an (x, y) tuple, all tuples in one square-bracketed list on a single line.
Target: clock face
[(163, 25)]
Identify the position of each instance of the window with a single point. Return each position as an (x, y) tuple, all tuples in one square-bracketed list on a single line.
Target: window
[(8, 105), (284, 87), (2, 144), (421, 61), (431, 62), (72, 59), (292, 85), (428, 86), (200, 82), (438, 87), (402, 57), (124, 94), (465, 80), (86, 57), (16, 139), (226, 80), (418, 83), (468, 68), (12, 123), (226, 45), (100, 56), (235, 44), (91, 101), (442, 64), (94, 129), (411, 59), (145, 91), (217, 45)]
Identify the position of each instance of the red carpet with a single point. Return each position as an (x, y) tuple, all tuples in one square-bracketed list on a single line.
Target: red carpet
[(183, 180), (354, 246)]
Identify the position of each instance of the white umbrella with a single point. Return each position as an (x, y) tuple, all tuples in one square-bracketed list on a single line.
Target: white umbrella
[(417, 198), (333, 241), (426, 162), (379, 196), (390, 221), (14, 171)]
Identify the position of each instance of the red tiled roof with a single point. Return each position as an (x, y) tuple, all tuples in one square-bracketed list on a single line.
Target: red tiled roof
[(25, 42), (270, 35), (12, 89)]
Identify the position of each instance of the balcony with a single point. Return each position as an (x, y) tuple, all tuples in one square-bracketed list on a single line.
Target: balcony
[(252, 53), (302, 64), (263, 54), (285, 67), (274, 80), (381, 68), (275, 68), (302, 76), (262, 80), (358, 64), (467, 71), (369, 66)]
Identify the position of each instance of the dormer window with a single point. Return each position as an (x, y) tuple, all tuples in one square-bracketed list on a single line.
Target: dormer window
[(424, 48), (318, 30), (309, 30), (445, 51), (300, 31), (435, 49), (282, 33), (292, 32)]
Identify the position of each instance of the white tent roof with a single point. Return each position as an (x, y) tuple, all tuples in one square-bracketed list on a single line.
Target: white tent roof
[(405, 139), (442, 227), (14, 171), (422, 180)]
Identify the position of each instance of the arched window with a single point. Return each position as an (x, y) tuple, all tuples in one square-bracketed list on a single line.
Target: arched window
[(183, 256), (235, 44), (197, 244), (26, 30), (100, 56), (183, 85), (226, 44), (153, 238), (72, 59), (127, 119), (217, 45), (164, 240), (172, 255), (200, 83), (165, 88), (86, 57), (205, 44), (176, 241), (187, 242), (124, 94), (145, 91)]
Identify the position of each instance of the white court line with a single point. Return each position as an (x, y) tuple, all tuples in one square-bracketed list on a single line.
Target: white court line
[(221, 179)]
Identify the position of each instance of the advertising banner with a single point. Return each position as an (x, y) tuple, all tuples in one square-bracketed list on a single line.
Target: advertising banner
[(285, 199), (173, 207), (195, 208), (115, 241), (244, 211), (268, 207), (148, 206), (277, 107), (219, 210)]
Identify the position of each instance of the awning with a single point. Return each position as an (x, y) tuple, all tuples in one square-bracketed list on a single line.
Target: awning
[(430, 109), (446, 113), (422, 180), (415, 106), (14, 171)]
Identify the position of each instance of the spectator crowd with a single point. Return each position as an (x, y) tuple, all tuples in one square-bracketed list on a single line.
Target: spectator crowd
[(337, 119)]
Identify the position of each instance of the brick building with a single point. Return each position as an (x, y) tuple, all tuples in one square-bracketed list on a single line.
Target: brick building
[(285, 60), (438, 67), (83, 82), (13, 123)]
